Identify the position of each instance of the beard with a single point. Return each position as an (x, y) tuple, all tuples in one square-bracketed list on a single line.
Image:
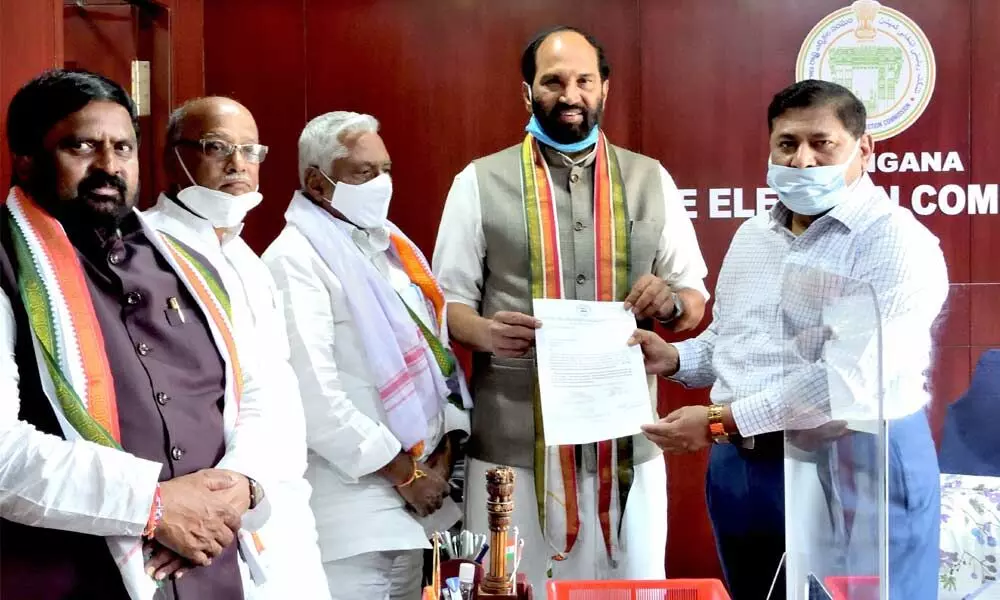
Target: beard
[(86, 207), (568, 133), (104, 209)]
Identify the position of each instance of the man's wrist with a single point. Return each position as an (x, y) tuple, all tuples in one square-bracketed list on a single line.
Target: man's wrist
[(155, 515), (415, 474), (399, 470), (673, 362), (485, 341)]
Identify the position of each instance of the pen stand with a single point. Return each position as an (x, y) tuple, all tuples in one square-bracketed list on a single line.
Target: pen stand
[(449, 569)]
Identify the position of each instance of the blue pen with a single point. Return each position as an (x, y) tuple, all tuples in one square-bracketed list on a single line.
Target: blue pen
[(482, 554)]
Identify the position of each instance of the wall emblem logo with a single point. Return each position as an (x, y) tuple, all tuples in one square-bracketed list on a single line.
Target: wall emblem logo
[(879, 54)]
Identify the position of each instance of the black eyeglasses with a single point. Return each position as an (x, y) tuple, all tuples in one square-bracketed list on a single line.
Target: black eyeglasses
[(221, 149)]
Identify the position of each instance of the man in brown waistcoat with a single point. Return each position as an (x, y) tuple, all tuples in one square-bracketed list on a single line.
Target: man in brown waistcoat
[(543, 219), (119, 384)]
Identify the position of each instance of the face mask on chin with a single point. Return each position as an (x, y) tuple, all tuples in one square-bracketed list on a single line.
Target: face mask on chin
[(365, 205), (221, 209), (812, 190)]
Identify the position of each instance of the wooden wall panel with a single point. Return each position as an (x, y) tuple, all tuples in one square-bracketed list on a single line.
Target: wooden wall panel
[(31, 40), (255, 53), (188, 38)]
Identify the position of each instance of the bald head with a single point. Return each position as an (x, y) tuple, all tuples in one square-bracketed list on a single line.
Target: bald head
[(199, 136)]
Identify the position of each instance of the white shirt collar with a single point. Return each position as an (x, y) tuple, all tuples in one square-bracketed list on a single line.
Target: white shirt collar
[(369, 241), (172, 209)]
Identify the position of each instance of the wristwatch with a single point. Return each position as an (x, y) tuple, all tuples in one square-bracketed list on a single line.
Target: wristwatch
[(678, 309), (256, 493), (716, 428)]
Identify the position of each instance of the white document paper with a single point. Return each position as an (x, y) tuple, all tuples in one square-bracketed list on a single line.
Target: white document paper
[(592, 384)]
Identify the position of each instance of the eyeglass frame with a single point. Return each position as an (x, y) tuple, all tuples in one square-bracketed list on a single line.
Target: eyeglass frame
[(230, 145)]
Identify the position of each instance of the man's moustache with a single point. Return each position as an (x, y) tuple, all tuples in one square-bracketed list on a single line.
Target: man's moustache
[(90, 184)]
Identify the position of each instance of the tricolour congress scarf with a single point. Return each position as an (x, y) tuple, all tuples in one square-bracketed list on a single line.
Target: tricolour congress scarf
[(555, 467), (419, 271), (69, 344)]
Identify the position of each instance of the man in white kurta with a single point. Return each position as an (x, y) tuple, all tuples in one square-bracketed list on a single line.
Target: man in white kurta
[(482, 261), (291, 554), (367, 494)]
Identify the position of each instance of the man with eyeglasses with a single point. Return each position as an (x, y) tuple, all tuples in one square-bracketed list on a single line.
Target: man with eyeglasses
[(213, 158)]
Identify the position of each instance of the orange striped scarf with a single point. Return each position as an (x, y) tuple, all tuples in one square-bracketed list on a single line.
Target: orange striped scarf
[(555, 468), (54, 290)]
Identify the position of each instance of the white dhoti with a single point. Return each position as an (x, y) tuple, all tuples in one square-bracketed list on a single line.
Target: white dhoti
[(393, 575), (643, 534)]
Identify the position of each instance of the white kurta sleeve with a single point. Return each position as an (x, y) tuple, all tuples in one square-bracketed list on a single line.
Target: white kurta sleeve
[(335, 429), (249, 449), (461, 246), (678, 256), (46, 481)]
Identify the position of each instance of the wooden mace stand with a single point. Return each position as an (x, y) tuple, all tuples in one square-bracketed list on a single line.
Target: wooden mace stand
[(496, 583)]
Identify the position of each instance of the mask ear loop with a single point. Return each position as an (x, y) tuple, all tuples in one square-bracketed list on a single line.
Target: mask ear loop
[(183, 166), (332, 182), (854, 153)]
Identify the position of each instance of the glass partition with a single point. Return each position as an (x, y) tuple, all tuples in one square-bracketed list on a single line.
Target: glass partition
[(834, 406), (892, 457)]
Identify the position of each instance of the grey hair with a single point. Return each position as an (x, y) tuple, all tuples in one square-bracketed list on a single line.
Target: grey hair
[(321, 141)]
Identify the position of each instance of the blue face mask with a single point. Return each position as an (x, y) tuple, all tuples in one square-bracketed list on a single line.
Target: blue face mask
[(813, 190), (535, 129)]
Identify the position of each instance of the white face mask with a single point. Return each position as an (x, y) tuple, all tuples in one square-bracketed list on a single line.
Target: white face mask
[(365, 205), (812, 190), (221, 209)]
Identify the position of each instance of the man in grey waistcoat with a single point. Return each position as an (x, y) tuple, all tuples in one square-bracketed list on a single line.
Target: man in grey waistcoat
[(539, 219)]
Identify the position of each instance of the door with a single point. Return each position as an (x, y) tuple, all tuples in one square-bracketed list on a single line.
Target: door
[(128, 42)]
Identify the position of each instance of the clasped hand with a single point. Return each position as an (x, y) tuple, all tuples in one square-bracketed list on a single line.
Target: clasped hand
[(201, 515)]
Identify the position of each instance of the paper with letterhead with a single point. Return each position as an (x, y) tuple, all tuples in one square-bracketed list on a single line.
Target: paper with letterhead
[(592, 384)]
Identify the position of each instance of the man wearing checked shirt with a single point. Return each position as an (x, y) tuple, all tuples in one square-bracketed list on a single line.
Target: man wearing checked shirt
[(830, 219)]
